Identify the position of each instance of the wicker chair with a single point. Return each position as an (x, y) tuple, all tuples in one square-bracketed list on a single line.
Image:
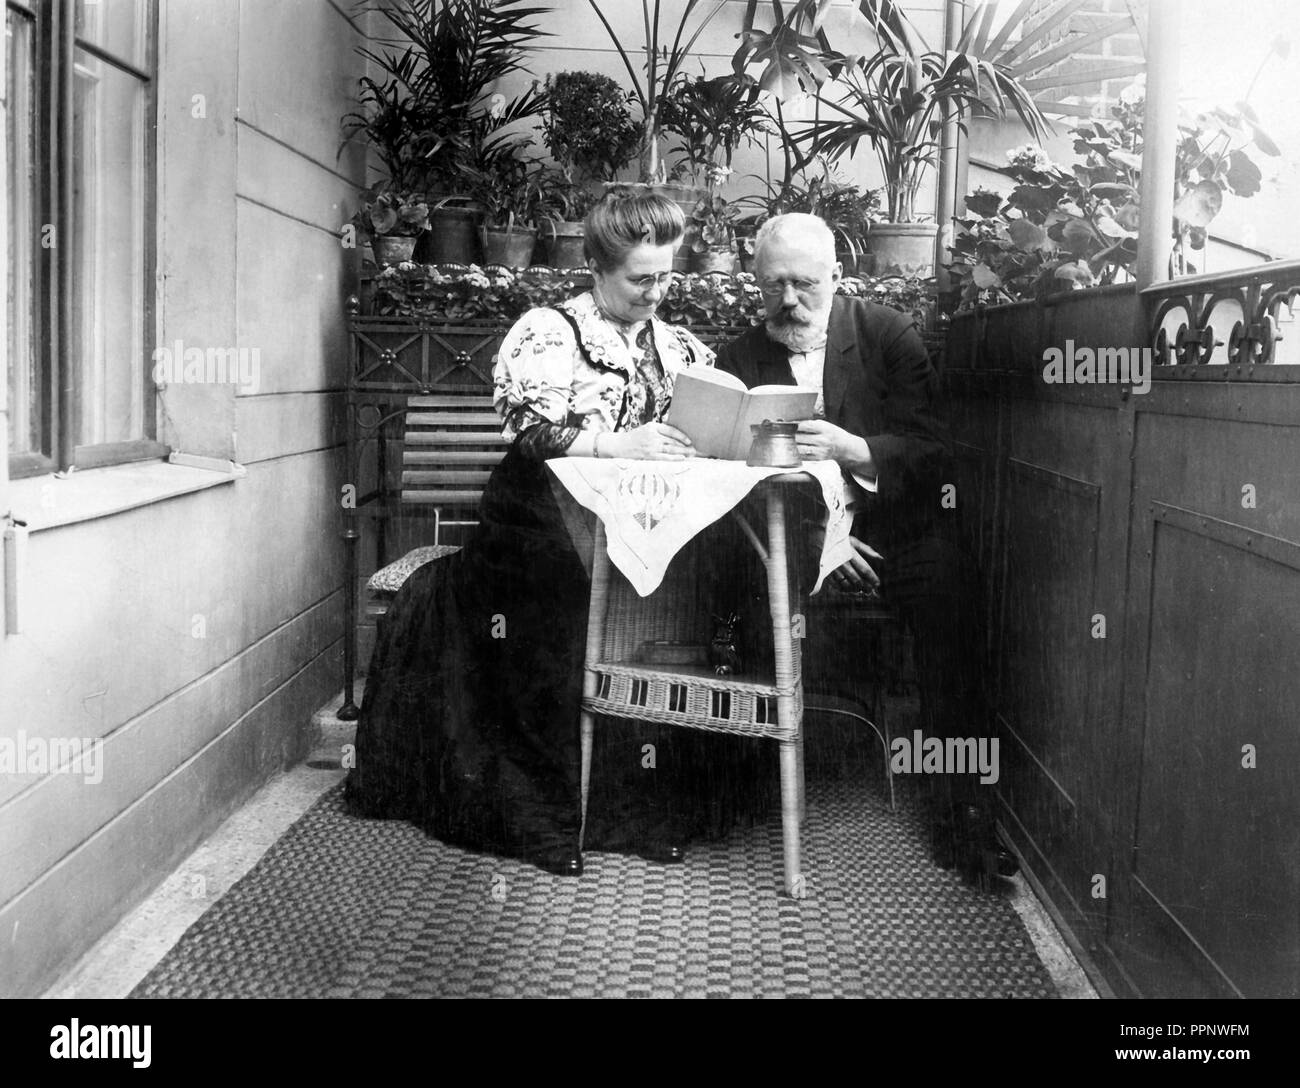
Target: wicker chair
[(450, 445), (450, 442)]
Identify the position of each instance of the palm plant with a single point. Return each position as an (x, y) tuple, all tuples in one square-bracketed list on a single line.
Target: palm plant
[(713, 117), (663, 64), (511, 190), (898, 98), (431, 113)]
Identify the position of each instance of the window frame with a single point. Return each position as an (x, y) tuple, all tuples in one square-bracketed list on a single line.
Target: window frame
[(56, 43)]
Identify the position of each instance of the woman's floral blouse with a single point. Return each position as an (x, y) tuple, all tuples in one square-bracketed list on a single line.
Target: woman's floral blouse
[(617, 378)]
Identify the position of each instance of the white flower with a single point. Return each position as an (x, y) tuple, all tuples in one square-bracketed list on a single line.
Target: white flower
[(1135, 92), (1029, 157)]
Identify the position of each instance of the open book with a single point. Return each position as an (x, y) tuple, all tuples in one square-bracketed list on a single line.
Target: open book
[(716, 410)]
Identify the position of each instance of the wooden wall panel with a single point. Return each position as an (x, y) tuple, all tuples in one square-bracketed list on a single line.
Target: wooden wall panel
[(1222, 608), (1176, 515)]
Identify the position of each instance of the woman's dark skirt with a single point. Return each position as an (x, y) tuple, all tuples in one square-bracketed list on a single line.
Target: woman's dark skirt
[(470, 722)]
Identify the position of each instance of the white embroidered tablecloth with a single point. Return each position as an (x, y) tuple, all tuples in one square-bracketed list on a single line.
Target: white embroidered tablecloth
[(652, 509)]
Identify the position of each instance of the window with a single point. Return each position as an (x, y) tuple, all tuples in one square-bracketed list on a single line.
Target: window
[(80, 94)]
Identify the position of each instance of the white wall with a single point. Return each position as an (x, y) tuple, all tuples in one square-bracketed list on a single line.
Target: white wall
[(580, 42), (193, 637)]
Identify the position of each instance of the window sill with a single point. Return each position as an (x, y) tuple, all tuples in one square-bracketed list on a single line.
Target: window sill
[(50, 501)]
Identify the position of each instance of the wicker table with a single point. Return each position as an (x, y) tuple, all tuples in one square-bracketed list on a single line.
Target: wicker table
[(617, 684)]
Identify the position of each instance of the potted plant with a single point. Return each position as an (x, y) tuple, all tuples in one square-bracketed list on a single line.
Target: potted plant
[(511, 192), (896, 100), (712, 233), (662, 66), (1076, 226), (590, 133), (391, 222), (849, 211), (432, 109), (712, 118), (851, 214)]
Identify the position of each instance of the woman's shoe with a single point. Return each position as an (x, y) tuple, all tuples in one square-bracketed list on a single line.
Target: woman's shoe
[(560, 864), (662, 853)]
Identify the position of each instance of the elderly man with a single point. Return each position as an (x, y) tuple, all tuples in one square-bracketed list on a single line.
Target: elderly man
[(876, 419)]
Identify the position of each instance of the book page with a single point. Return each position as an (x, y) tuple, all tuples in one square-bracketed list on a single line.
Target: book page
[(706, 408)]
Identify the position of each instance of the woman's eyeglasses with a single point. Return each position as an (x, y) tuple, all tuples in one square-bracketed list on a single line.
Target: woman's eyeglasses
[(644, 283)]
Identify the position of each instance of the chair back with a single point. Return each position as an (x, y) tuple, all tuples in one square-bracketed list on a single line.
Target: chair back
[(451, 442)]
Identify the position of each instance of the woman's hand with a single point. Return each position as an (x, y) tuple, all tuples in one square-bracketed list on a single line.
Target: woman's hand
[(649, 442)]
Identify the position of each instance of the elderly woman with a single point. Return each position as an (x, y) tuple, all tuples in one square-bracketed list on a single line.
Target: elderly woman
[(469, 725)]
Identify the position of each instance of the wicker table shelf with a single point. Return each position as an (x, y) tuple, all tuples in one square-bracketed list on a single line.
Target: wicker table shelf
[(691, 696)]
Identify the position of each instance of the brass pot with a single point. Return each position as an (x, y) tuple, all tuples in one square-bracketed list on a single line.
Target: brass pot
[(774, 445)]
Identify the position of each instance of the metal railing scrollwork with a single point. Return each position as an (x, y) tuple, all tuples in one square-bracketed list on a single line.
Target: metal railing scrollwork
[(1238, 319)]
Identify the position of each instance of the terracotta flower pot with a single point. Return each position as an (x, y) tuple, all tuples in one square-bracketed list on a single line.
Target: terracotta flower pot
[(903, 249), (564, 239), (453, 236), (512, 248), (392, 249), (714, 259)]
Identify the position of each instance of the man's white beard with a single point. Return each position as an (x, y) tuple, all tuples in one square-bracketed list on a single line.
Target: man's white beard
[(800, 337)]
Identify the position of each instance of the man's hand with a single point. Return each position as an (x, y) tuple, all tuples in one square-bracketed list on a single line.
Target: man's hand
[(819, 440), (858, 574)]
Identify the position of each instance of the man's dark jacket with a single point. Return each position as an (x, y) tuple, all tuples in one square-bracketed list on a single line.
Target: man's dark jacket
[(879, 384)]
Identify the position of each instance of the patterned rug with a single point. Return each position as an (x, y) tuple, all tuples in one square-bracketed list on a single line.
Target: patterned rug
[(343, 907)]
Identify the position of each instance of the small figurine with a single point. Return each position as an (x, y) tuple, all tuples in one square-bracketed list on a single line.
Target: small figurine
[(723, 654)]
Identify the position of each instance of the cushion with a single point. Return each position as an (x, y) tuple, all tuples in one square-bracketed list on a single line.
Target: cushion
[(391, 578)]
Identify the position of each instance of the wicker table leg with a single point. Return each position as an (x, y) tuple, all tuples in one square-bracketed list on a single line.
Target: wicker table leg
[(787, 712), (595, 648)]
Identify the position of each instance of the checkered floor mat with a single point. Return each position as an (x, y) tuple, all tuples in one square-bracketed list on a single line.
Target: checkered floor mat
[(344, 907)]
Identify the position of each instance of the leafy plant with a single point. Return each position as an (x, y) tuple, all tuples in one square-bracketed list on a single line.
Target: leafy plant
[(662, 65), (896, 99), (1077, 227), (713, 117), (588, 127), (563, 199), (432, 111), (1212, 160), (512, 191), (712, 301), (1057, 227), (712, 224), (847, 209), (385, 212)]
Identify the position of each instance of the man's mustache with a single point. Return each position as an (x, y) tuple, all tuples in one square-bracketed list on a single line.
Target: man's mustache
[(796, 316)]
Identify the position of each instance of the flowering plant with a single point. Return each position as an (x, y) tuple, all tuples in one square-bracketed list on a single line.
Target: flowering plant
[(711, 224), (501, 295), (494, 294), (1063, 228)]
